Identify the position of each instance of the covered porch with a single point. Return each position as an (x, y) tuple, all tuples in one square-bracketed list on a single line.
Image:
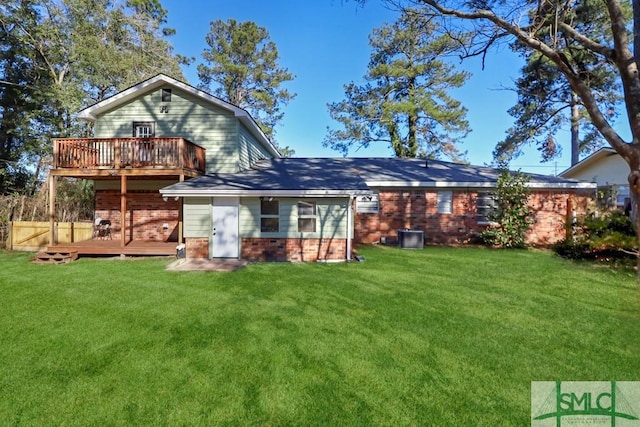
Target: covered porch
[(127, 173)]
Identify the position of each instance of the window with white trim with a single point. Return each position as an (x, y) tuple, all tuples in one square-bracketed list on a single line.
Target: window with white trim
[(445, 201), (269, 216), (306, 217), (144, 129), (486, 206), (368, 204)]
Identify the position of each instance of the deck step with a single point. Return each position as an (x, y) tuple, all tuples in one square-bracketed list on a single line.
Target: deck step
[(55, 257)]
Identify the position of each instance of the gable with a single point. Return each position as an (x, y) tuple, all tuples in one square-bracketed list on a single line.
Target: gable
[(186, 116), (605, 167), (231, 137)]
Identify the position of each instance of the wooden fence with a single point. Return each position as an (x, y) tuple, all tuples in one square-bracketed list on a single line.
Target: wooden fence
[(33, 236)]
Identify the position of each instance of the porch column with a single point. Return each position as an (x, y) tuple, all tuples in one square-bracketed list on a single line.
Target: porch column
[(123, 211), (53, 237), (180, 216)]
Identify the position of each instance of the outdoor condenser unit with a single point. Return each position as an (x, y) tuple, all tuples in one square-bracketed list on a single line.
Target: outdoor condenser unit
[(411, 239)]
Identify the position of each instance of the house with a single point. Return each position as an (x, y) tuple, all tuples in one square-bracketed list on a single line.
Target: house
[(172, 164), (608, 170)]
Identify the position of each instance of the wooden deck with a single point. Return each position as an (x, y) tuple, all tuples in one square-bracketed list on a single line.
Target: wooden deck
[(104, 157), (113, 247)]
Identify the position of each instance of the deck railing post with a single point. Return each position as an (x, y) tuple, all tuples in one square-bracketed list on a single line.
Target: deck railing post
[(116, 154)]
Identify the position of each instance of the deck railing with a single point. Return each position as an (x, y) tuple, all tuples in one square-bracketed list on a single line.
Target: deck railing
[(117, 153)]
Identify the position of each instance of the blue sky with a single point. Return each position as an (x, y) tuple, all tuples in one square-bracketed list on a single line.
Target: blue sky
[(324, 43)]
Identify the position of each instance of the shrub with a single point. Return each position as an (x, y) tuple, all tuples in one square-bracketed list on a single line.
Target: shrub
[(513, 216), (608, 236)]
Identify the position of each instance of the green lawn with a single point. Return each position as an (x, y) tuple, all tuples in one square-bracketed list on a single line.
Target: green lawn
[(442, 336)]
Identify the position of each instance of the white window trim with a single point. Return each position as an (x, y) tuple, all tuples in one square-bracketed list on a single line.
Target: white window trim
[(445, 202), (313, 216), (368, 204), (270, 216)]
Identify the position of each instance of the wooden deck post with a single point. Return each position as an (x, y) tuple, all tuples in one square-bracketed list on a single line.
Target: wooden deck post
[(123, 211), (180, 214), (53, 238)]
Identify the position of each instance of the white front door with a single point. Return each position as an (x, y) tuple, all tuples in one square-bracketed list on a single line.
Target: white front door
[(224, 233)]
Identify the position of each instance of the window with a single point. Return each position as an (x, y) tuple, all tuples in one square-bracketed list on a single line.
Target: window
[(269, 216), (486, 206), (368, 204), (144, 129), (445, 201), (307, 217), (166, 95)]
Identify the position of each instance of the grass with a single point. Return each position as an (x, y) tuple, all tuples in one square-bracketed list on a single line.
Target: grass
[(442, 336)]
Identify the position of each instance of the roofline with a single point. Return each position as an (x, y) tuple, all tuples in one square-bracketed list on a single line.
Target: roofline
[(256, 193), (604, 151), (447, 184), (90, 113)]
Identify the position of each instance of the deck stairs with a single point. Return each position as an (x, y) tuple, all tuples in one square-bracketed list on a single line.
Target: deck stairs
[(55, 257)]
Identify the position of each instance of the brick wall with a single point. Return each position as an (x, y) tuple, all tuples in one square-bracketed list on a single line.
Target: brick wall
[(417, 209), (197, 247), (281, 249), (146, 215)]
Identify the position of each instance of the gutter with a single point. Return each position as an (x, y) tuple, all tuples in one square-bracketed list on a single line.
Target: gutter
[(349, 227), (458, 184)]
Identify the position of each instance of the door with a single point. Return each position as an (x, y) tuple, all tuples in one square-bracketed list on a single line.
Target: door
[(224, 232)]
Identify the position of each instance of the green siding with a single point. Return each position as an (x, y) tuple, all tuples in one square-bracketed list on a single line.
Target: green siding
[(213, 128), (331, 219), (250, 149), (197, 216)]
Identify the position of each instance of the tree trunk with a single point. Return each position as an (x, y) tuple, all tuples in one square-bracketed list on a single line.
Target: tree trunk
[(575, 129)]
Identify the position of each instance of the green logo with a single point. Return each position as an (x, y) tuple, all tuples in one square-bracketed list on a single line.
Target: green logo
[(585, 403)]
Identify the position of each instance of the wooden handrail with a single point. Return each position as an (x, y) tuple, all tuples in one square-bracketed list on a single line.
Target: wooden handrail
[(116, 153)]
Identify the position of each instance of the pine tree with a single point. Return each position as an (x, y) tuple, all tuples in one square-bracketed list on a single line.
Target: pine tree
[(241, 67), (405, 100)]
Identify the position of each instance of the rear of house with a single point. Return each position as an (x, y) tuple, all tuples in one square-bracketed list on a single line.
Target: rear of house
[(316, 209), (174, 165)]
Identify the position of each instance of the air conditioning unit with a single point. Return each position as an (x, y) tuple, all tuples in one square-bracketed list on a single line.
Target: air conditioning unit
[(411, 239)]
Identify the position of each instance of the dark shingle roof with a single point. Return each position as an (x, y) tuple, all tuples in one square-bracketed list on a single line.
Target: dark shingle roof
[(342, 176)]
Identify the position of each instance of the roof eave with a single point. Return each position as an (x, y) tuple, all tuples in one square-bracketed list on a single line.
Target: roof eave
[(470, 184), (167, 191)]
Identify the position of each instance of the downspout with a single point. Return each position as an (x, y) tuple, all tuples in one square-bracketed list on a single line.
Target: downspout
[(349, 226)]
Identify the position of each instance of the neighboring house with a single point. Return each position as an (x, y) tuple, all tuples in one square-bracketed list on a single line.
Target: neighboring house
[(172, 164), (608, 170)]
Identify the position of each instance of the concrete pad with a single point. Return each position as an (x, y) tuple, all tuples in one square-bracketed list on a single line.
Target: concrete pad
[(207, 265)]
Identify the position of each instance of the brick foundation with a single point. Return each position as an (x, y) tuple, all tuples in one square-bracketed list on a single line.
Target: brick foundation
[(146, 215), (282, 249), (197, 247), (417, 209)]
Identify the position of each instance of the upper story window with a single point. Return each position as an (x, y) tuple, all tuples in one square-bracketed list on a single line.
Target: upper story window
[(269, 215), (368, 204), (445, 201), (166, 95), (486, 206), (306, 217), (144, 129)]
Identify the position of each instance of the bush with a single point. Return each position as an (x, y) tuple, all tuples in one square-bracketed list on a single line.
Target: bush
[(513, 216), (609, 236)]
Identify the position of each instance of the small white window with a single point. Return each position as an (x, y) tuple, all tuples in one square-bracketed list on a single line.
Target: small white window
[(143, 129), (368, 204), (306, 217), (166, 95), (445, 199)]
